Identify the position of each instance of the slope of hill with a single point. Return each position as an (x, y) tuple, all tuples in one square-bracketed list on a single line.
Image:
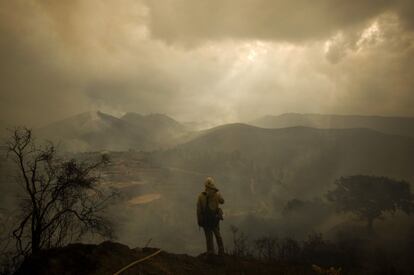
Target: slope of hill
[(391, 125), (93, 131), (153, 121), (260, 141), (160, 128), (305, 159)]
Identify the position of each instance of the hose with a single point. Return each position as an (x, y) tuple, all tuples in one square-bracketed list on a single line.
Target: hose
[(136, 262)]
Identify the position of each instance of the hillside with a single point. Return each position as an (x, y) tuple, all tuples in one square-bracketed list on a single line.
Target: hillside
[(153, 122), (299, 158), (351, 147), (390, 125), (107, 258), (161, 129), (94, 131)]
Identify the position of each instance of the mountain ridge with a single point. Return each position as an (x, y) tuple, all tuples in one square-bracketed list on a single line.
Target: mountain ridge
[(300, 157), (100, 131), (390, 125)]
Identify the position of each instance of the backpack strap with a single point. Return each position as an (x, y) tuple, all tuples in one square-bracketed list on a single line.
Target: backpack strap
[(207, 201)]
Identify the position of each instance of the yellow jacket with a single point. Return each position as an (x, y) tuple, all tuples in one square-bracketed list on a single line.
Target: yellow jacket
[(214, 199)]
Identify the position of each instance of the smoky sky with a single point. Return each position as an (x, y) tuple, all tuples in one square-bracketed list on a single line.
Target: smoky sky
[(219, 61)]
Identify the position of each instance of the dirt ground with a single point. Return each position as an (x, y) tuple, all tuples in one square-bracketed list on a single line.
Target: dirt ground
[(110, 257)]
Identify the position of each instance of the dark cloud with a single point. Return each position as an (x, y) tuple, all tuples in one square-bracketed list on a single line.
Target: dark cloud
[(295, 20), (246, 58)]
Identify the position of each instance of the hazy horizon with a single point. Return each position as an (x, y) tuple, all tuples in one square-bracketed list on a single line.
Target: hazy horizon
[(207, 122)]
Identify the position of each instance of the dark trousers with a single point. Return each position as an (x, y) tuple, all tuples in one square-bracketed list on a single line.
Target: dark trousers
[(210, 242)]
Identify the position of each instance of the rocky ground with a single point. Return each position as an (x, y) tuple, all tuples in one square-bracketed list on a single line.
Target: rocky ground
[(110, 257)]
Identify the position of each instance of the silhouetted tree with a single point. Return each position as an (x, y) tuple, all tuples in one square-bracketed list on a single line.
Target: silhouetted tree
[(369, 196), (61, 199)]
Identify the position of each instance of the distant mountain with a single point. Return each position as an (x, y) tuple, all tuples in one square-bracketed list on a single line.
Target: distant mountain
[(161, 128), (390, 125), (92, 131), (199, 125), (153, 121), (299, 158)]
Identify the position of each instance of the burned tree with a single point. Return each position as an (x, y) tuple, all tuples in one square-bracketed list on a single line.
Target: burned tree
[(61, 199), (369, 197)]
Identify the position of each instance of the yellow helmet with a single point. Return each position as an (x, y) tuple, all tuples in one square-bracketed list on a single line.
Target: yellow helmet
[(209, 183)]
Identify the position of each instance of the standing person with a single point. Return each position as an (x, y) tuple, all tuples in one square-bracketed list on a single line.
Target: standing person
[(209, 215)]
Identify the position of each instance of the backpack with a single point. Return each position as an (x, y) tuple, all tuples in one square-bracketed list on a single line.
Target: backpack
[(212, 217)]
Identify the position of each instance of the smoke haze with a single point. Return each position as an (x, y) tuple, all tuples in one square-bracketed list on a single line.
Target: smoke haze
[(276, 100), (231, 60)]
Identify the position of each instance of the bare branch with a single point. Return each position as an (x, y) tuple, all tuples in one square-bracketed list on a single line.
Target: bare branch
[(63, 198)]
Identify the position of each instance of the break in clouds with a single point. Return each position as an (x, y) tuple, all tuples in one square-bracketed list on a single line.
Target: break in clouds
[(220, 61)]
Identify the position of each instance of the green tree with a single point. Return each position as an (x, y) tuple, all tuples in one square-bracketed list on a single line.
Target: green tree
[(369, 197)]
